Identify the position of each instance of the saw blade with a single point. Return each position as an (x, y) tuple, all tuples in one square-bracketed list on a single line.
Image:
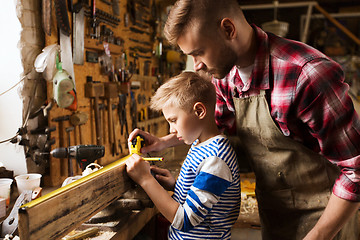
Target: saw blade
[(78, 37)]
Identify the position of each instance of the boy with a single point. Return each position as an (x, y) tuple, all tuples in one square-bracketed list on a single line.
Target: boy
[(206, 198)]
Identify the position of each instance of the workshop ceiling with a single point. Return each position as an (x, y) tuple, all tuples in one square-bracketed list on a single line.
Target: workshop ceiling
[(329, 4)]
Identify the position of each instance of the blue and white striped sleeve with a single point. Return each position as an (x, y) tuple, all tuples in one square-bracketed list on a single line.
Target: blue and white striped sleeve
[(214, 177)]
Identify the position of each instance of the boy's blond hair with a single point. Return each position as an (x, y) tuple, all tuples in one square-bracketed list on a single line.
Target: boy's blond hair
[(205, 14), (183, 91)]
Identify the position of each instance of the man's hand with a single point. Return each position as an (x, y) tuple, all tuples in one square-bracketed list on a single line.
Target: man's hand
[(164, 177), (138, 169)]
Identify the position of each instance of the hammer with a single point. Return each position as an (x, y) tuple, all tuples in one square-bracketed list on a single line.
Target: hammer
[(95, 90), (60, 120), (78, 119), (110, 93)]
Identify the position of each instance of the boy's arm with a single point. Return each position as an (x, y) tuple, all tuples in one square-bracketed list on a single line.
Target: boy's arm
[(139, 171), (211, 182)]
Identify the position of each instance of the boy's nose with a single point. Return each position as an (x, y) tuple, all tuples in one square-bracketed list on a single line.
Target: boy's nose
[(172, 130)]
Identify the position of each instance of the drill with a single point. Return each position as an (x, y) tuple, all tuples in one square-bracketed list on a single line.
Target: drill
[(136, 144), (84, 154)]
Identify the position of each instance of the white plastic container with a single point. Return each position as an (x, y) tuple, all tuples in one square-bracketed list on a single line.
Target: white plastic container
[(5, 187), (28, 181)]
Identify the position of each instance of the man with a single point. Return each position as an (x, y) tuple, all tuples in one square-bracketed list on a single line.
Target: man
[(288, 105)]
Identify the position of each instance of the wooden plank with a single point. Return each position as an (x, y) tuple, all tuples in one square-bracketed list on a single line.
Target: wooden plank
[(57, 213)]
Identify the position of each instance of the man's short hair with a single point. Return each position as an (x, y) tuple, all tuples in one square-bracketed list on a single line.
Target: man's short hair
[(183, 91), (203, 13)]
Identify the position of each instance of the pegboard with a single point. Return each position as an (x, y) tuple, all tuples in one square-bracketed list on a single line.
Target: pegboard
[(142, 83)]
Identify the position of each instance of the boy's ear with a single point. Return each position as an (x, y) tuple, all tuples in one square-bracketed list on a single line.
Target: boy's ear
[(200, 110)]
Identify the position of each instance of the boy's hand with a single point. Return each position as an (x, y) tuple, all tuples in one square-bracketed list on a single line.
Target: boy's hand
[(138, 169), (152, 143), (164, 177)]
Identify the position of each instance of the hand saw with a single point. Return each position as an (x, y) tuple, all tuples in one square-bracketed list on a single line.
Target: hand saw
[(62, 17)]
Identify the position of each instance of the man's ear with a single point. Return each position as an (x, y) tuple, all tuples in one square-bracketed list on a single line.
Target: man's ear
[(199, 110), (228, 27)]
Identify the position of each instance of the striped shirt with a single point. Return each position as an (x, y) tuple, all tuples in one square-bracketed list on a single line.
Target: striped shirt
[(308, 101), (208, 190)]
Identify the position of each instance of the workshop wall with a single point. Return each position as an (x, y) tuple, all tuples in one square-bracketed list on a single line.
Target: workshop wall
[(125, 56)]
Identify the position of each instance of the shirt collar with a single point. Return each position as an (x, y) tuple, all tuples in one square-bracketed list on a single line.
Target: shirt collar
[(260, 75)]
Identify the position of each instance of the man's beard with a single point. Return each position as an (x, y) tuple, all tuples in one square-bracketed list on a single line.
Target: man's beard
[(222, 69), (218, 73)]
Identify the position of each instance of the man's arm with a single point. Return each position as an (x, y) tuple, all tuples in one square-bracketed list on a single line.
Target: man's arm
[(321, 89), (336, 214)]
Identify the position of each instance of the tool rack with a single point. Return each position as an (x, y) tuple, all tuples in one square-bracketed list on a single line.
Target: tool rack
[(144, 80)]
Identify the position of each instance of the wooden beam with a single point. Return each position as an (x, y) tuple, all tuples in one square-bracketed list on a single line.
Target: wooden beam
[(57, 213), (338, 24)]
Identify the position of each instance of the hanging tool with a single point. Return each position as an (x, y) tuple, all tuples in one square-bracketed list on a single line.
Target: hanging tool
[(78, 32), (122, 115), (115, 7), (141, 42), (95, 90), (94, 24), (136, 144), (65, 41), (133, 110), (116, 141), (136, 30), (110, 93), (84, 154), (68, 130), (78, 119), (103, 17), (46, 16), (60, 120), (62, 17), (102, 113)]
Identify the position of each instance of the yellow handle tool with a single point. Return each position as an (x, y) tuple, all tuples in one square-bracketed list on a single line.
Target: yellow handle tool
[(136, 144)]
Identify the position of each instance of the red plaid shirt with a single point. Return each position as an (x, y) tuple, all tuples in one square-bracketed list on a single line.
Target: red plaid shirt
[(308, 100)]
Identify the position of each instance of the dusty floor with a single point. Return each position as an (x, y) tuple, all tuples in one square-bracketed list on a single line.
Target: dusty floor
[(245, 234)]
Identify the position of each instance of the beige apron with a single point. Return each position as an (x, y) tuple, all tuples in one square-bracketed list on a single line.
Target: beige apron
[(293, 183)]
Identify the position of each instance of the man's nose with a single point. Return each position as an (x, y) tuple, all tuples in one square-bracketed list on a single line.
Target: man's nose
[(198, 65)]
